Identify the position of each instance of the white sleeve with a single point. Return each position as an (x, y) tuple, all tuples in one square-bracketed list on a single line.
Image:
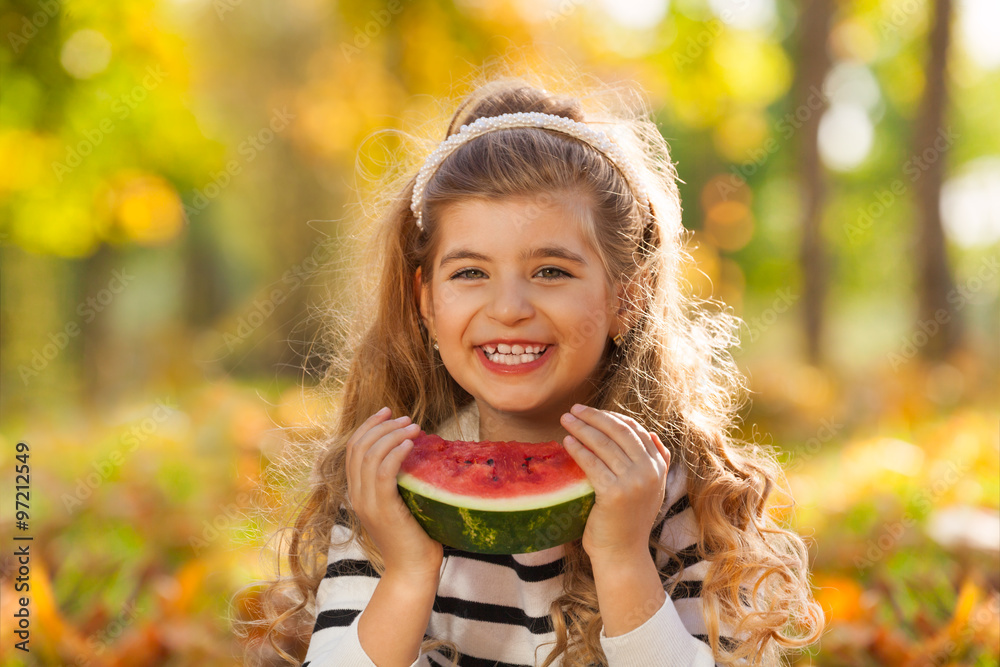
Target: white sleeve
[(661, 640), (343, 594)]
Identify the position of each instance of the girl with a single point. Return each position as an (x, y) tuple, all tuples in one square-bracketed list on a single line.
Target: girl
[(530, 288)]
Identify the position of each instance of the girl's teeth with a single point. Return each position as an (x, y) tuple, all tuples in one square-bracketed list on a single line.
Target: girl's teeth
[(512, 359), (503, 348), (511, 355)]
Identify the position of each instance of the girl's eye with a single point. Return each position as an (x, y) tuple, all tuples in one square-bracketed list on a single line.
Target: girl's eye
[(559, 272), (464, 272)]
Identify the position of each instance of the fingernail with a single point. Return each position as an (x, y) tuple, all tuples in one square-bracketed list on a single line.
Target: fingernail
[(577, 408), (568, 417), (383, 411)]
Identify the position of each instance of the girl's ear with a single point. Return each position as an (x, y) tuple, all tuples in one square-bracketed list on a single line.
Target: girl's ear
[(627, 299)]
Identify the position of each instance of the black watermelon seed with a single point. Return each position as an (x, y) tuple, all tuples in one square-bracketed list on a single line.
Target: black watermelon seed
[(489, 462)]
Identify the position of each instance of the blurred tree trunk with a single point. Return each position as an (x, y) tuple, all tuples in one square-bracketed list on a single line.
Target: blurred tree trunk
[(294, 333), (814, 63), (931, 141), (203, 280), (99, 358)]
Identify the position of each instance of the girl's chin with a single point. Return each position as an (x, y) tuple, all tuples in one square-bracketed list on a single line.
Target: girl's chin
[(518, 405)]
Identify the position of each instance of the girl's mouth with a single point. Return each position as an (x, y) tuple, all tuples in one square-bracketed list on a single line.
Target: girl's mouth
[(530, 358)]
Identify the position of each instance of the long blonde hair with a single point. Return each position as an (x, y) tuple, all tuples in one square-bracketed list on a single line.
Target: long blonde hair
[(673, 373)]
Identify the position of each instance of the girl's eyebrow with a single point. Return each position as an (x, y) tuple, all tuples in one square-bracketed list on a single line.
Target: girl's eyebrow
[(542, 251)]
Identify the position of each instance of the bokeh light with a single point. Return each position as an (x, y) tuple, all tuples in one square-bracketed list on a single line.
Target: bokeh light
[(970, 204), (86, 53), (145, 208), (846, 136)]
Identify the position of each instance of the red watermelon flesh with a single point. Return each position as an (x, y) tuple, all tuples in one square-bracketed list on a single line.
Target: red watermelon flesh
[(495, 497), (491, 469)]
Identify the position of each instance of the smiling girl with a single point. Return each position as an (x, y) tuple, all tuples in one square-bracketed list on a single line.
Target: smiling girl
[(530, 288)]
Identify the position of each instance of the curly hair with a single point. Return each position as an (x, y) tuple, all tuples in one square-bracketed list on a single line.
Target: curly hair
[(673, 373)]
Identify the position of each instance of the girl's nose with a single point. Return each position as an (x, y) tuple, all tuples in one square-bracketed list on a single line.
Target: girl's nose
[(510, 302)]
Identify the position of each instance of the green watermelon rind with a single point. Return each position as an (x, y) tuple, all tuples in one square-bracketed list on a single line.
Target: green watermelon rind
[(501, 532), (569, 491)]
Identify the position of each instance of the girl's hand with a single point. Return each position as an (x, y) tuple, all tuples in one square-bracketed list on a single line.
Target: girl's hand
[(627, 466), (374, 455)]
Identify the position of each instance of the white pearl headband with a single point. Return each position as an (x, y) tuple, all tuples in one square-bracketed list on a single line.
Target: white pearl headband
[(595, 138)]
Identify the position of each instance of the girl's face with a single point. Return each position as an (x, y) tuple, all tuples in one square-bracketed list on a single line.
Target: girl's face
[(519, 274)]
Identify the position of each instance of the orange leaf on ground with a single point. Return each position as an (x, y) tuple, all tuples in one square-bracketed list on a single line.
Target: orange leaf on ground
[(189, 580), (968, 596), (840, 598), (65, 638), (890, 647)]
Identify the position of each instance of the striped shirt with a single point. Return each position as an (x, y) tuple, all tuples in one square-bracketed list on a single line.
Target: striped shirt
[(496, 608)]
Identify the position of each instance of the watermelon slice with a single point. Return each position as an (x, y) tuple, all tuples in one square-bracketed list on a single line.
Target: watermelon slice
[(495, 497)]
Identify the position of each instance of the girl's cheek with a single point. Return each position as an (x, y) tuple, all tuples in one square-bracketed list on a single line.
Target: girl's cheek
[(448, 294)]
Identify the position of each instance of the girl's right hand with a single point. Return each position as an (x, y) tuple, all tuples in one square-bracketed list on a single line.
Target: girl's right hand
[(374, 455)]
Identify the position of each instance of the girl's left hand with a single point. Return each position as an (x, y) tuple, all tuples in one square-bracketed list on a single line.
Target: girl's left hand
[(627, 465)]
